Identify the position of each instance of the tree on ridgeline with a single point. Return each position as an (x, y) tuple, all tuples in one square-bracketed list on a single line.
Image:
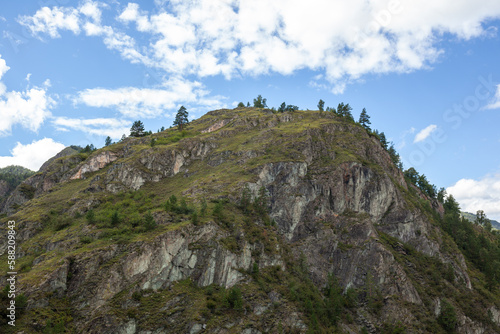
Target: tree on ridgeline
[(137, 129), (108, 141), (344, 110), (364, 120), (260, 102), (321, 105), (282, 107), (181, 118), (411, 174), (383, 140)]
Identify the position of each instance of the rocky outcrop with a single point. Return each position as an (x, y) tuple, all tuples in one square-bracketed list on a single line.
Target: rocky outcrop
[(94, 163), (216, 126)]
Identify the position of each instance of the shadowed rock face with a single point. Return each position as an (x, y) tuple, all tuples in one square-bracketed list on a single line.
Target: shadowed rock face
[(334, 195)]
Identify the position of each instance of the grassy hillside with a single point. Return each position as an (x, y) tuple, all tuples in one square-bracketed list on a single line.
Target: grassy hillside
[(301, 221)]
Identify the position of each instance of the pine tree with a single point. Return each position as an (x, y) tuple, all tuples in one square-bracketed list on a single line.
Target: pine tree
[(108, 141), (282, 107), (321, 105), (181, 118), (246, 199), (364, 120), (241, 105), (260, 102), (137, 129), (383, 140), (344, 110)]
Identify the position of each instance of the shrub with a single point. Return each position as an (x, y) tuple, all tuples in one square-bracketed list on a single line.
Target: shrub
[(86, 239), (447, 317), (27, 190), (217, 211), (90, 216), (149, 222), (136, 296), (171, 204), (60, 223), (115, 219), (234, 298), (203, 209), (194, 218)]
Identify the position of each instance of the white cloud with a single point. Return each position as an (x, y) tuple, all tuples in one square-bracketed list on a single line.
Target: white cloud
[(424, 133), (483, 194), (29, 108), (134, 102), (50, 20), (114, 128), (495, 104), (3, 67), (32, 155), (344, 41)]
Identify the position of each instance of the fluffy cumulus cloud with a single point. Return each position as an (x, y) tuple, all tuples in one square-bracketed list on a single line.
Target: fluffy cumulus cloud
[(32, 155), (29, 108), (425, 133), (483, 194), (495, 104), (114, 128), (342, 40)]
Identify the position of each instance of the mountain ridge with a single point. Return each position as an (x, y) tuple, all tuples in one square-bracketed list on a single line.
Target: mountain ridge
[(248, 221)]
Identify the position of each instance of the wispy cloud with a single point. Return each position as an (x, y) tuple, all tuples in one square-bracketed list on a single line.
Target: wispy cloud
[(112, 127), (425, 133), (495, 104)]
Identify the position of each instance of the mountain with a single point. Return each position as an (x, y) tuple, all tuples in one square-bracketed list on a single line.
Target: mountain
[(10, 178), (472, 218), (247, 221)]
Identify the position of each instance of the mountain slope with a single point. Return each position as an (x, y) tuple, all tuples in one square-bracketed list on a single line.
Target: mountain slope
[(159, 234)]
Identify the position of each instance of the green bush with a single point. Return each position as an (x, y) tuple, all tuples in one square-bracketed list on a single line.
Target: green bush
[(149, 222), (86, 239), (90, 216), (194, 218), (27, 190), (203, 209), (137, 296), (447, 317), (235, 299), (115, 218)]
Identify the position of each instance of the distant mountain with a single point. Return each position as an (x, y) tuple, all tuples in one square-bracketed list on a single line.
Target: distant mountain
[(472, 217), (10, 178)]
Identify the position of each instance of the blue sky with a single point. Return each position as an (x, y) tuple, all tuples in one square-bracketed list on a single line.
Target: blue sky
[(428, 73)]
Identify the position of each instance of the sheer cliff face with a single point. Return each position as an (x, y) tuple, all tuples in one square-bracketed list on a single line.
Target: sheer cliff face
[(335, 200)]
